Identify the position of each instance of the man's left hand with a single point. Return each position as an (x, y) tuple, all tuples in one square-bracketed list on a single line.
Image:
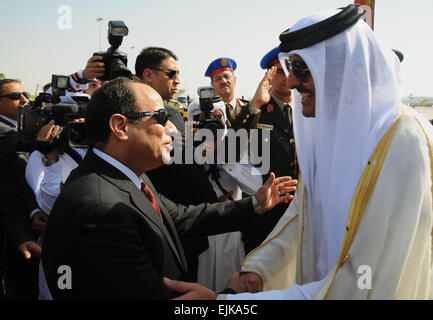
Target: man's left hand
[(275, 191), (191, 291)]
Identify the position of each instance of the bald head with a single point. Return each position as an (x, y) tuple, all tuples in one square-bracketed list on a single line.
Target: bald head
[(146, 97), (119, 96)]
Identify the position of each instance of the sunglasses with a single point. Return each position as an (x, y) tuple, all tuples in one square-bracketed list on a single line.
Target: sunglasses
[(298, 67), (171, 74), (161, 115), (16, 95)]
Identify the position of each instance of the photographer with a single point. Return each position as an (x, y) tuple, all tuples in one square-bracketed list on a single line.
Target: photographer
[(54, 158), (46, 174)]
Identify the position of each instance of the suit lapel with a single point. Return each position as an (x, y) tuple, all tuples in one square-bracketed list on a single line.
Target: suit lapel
[(168, 221), (142, 204), (138, 199)]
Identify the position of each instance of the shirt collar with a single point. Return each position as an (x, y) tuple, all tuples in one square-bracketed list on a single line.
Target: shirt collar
[(280, 103), (12, 121), (233, 103), (118, 165)]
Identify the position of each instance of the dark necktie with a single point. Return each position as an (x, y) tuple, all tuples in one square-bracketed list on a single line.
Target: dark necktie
[(288, 113), (149, 195)]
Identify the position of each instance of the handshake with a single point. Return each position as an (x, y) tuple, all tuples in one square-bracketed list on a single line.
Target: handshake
[(239, 282)]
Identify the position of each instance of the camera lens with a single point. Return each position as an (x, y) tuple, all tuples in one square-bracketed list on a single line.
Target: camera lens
[(118, 69), (77, 134)]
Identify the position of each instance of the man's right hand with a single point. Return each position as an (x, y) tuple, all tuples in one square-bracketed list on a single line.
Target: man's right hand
[(47, 133), (245, 282), (94, 68), (264, 90)]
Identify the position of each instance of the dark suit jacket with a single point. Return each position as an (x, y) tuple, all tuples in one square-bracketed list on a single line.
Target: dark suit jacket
[(184, 184), (17, 199), (105, 229)]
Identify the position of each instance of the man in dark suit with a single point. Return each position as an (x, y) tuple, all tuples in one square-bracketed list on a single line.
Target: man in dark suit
[(273, 97), (117, 241), (182, 183), (17, 201)]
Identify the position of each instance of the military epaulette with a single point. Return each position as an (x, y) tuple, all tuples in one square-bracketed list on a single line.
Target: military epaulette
[(243, 102)]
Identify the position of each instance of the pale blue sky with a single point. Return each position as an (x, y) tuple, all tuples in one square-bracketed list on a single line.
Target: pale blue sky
[(33, 47)]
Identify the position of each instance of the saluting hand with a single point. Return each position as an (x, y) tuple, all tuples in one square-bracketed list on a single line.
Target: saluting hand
[(264, 90)]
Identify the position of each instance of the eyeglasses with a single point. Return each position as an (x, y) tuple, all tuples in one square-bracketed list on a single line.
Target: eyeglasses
[(16, 95), (171, 74), (160, 115), (298, 67)]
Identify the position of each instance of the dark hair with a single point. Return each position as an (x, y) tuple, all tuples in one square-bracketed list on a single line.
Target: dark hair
[(151, 57), (6, 81), (115, 96), (47, 86)]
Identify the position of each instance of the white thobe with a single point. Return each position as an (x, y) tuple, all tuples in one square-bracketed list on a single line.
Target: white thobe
[(391, 254)]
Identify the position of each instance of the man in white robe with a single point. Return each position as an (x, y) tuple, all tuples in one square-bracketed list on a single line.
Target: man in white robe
[(360, 226)]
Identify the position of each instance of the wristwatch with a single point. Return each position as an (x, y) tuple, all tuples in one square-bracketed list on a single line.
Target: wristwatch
[(48, 162), (256, 205)]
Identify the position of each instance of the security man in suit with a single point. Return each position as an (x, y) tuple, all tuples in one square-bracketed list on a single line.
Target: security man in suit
[(273, 97), (111, 235), (19, 249), (239, 113)]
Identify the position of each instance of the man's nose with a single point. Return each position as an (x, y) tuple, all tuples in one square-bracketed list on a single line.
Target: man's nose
[(170, 129), (177, 78), (292, 81), (23, 100)]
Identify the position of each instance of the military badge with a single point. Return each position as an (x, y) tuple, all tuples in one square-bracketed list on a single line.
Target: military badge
[(270, 108), (223, 62)]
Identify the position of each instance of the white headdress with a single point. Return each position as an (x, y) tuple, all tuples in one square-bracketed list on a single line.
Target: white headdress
[(356, 90)]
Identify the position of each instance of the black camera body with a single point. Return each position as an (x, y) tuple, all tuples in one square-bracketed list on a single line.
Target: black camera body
[(47, 107), (115, 61), (207, 98)]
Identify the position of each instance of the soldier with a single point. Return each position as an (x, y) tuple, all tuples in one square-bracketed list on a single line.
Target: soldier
[(239, 113), (276, 116), (273, 98)]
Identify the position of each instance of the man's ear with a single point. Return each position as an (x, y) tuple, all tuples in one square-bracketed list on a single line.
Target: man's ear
[(147, 76), (118, 127)]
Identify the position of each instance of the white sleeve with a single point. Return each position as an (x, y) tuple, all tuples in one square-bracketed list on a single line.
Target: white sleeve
[(295, 292), (50, 186), (35, 175)]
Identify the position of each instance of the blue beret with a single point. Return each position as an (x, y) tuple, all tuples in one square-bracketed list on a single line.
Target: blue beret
[(220, 64), (270, 58)]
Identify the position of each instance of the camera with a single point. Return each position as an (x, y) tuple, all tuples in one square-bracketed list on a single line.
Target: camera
[(114, 60), (207, 99), (47, 107)]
